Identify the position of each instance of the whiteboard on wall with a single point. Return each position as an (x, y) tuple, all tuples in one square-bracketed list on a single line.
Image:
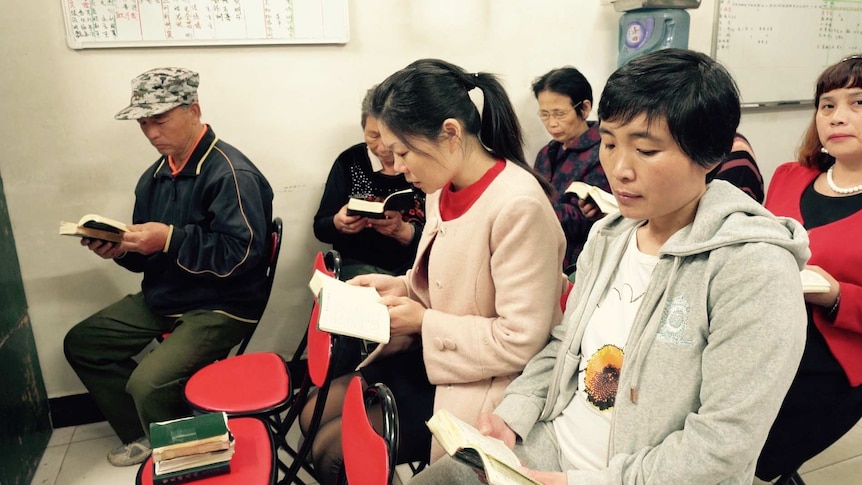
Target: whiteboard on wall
[(775, 49), (153, 23)]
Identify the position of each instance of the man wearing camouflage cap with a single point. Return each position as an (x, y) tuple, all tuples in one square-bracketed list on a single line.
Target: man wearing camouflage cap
[(199, 236)]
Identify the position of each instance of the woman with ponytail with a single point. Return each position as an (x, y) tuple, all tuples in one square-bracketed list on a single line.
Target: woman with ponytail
[(484, 290)]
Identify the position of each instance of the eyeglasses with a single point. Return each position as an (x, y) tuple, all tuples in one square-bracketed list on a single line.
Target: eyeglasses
[(557, 114)]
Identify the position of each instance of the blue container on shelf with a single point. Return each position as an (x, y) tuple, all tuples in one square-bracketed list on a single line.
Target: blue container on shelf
[(650, 29)]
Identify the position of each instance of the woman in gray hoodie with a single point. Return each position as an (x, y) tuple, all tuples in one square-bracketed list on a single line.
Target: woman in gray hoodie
[(687, 321)]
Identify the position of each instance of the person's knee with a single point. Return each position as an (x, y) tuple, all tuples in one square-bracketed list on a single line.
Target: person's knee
[(139, 387), (326, 452), (307, 412), (74, 343), (445, 470)]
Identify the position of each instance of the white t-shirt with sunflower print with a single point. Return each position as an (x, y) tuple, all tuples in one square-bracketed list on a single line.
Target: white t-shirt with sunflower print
[(583, 428)]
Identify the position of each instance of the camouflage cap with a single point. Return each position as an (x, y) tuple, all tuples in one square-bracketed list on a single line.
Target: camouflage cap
[(159, 90)]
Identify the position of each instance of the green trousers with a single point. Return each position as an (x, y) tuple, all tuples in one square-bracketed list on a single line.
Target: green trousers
[(132, 395)]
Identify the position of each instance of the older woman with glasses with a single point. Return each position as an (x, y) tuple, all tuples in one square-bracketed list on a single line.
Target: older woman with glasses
[(565, 100)]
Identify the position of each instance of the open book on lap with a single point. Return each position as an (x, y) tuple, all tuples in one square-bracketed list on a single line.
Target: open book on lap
[(466, 444), (606, 202), (396, 201), (93, 226), (354, 311)]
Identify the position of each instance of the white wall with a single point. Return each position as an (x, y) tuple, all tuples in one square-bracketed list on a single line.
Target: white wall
[(291, 109)]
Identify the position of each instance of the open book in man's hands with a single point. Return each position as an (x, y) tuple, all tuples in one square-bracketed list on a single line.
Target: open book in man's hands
[(396, 201), (467, 444), (814, 282), (94, 226), (606, 202), (350, 310)]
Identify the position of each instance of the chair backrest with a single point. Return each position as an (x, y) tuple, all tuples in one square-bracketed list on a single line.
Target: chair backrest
[(319, 349), (324, 352), (369, 456), (328, 263), (276, 230), (564, 298), (273, 249), (332, 260)]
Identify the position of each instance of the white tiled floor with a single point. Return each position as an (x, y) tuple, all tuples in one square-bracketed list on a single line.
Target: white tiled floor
[(76, 456)]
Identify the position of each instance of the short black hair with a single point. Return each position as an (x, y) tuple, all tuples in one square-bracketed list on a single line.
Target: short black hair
[(567, 81), (692, 92)]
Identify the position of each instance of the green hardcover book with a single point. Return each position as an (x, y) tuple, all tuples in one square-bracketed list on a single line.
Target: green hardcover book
[(192, 474), (186, 436)]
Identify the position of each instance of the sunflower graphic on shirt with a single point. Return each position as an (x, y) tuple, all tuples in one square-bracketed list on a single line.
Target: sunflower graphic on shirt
[(603, 376)]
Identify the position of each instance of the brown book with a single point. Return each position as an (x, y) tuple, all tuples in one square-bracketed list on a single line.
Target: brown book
[(191, 474), (186, 462), (94, 226)]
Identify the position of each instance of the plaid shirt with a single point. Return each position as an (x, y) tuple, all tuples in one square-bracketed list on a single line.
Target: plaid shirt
[(580, 162)]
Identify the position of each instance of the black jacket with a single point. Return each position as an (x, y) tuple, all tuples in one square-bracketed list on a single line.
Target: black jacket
[(220, 207)]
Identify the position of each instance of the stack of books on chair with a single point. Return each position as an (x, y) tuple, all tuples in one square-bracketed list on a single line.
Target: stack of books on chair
[(191, 448)]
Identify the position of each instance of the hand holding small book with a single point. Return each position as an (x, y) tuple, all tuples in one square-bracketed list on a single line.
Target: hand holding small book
[(490, 424), (819, 296), (589, 209), (386, 285), (405, 315), (103, 249), (349, 224), (392, 225), (488, 448)]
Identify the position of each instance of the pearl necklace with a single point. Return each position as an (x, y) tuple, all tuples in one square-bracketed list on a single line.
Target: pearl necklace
[(840, 190)]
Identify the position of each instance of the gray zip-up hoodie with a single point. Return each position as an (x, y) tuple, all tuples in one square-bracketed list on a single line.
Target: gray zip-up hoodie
[(711, 353)]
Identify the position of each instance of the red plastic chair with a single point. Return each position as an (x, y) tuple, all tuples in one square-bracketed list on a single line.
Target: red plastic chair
[(261, 384), (253, 462), (256, 384), (330, 265), (564, 298), (369, 457), (325, 351)]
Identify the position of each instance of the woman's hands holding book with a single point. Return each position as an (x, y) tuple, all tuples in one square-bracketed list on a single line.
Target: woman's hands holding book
[(590, 209), (826, 299), (393, 226), (346, 224), (386, 285), (489, 424), (405, 315)]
